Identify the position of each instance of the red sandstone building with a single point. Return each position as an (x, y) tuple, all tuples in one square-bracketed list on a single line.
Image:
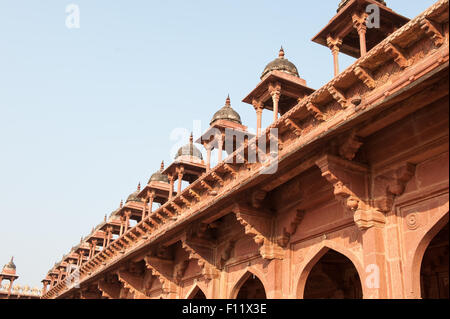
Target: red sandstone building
[(357, 206)]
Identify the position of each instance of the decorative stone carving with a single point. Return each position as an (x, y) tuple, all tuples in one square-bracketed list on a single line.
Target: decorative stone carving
[(259, 225), (204, 256), (316, 112), (411, 221), (339, 173), (132, 282), (163, 270), (257, 198), (398, 55), (390, 185), (179, 270), (294, 127), (284, 239), (338, 96), (432, 30), (350, 146), (226, 253), (365, 77)]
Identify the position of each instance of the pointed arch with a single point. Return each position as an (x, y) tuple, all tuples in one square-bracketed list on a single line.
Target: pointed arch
[(420, 252), (313, 258), (248, 274), (195, 292)]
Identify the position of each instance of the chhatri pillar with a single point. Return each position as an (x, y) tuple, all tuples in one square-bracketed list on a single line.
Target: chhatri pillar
[(9, 273), (188, 166), (348, 31), (133, 209), (280, 89), (157, 190), (226, 132)]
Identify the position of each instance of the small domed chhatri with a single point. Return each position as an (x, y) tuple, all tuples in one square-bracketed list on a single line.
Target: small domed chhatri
[(281, 64), (10, 265), (159, 176), (134, 196), (226, 113), (189, 152)]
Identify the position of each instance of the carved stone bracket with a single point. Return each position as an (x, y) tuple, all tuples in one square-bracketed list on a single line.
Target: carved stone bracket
[(204, 256), (259, 225), (134, 283), (288, 232), (163, 270), (109, 290), (179, 270), (388, 186), (338, 96), (398, 55), (315, 111), (350, 146), (432, 30), (349, 180), (294, 127), (257, 198), (226, 253), (365, 77)]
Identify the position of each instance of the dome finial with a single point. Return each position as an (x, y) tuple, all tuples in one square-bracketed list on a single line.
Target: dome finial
[(281, 53), (121, 203), (191, 138), (105, 218), (139, 187), (162, 166), (228, 101)]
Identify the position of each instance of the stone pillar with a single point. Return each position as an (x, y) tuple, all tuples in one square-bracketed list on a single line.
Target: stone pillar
[(80, 259), (127, 220), (275, 92), (150, 203), (108, 240), (171, 180), (259, 109), (359, 23), (221, 141), (335, 45), (104, 239), (180, 172), (208, 156), (122, 225), (371, 223), (11, 281)]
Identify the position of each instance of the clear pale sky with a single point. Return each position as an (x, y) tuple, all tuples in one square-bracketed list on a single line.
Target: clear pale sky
[(85, 114)]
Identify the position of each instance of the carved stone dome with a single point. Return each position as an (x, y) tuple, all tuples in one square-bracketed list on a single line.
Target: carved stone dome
[(10, 265), (189, 150), (158, 176), (226, 113), (281, 64), (134, 196), (343, 3)]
